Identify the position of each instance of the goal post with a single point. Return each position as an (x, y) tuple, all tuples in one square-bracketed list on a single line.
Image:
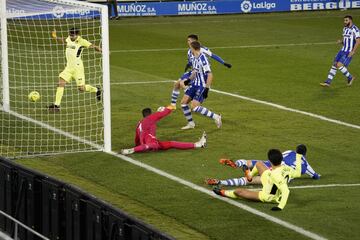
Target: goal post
[(31, 60)]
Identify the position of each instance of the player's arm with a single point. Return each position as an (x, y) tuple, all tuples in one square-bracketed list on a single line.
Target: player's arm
[(355, 47), (284, 189), (97, 48), (161, 114), (85, 43), (216, 57), (57, 38)]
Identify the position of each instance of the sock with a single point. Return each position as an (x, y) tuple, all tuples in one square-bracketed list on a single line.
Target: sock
[(174, 96), (254, 171), (240, 162), (59, 95), (204, 111), (230, 194), (346, 73), (331, 75), (177, 145), (234, 182), (187, 112), (89, 88)]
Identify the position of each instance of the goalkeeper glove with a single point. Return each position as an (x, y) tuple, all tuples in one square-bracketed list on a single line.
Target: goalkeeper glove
[(228, 65), (53, 34), (206, 92), (276, 209), (187, 81)]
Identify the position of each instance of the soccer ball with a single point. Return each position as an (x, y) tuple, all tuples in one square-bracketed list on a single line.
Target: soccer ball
[(34, 96)]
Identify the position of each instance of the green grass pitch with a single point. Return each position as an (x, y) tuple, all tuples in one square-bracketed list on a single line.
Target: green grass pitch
[(272, 70)]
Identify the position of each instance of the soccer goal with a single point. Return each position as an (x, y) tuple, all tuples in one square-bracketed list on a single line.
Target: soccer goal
[(31, 60)]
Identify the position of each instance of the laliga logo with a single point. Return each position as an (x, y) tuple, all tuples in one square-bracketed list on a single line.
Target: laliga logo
[(245, 6), (58, 11)]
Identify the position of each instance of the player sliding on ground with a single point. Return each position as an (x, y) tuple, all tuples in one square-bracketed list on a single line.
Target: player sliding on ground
[(199, 84), (74, 66), (274, 181), (350, 42), (145, 138), (190, 57), (289, 159)]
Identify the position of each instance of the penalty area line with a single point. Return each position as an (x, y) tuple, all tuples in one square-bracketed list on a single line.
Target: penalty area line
[(227, 200), (274, 105), (224, 47)]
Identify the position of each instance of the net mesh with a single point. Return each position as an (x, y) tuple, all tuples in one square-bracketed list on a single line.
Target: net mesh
[(34, 63)]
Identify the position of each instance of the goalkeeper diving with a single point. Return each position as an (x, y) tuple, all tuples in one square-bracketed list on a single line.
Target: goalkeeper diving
[(74, 69)]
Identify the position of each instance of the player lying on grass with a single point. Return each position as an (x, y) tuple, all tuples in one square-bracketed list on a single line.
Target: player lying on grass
[(74, 66), (350, 42), (190, 57), (199, 84), (274, 181), (145, 138), (289, 158)]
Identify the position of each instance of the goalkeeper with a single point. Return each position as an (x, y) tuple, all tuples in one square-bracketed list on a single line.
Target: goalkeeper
[(145, 138), (274, 181), (74, 69)]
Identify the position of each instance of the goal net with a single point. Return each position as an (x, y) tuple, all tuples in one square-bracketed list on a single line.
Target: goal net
[(31, 60)]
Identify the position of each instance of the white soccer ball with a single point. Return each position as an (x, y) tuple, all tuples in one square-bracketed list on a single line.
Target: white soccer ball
[(34, 96)]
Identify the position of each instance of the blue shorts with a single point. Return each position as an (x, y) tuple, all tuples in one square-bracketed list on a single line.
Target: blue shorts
[(185, 75), (195, 93), (343, 58)]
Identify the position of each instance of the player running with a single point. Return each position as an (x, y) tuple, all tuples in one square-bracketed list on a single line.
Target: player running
[(274, 181), (180, 82), (145, 138), (198, 90), (74, 66), (350, 42), (289, 159)]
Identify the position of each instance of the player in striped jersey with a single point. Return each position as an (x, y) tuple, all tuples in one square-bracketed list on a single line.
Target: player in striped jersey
[(199, 84), (289, 158), (190, 57), (350, 42), (274, 181)]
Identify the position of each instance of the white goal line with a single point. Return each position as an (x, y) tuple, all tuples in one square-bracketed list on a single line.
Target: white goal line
[(224, 47)]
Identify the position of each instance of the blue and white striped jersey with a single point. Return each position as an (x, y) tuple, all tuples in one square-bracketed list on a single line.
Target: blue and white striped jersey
[(350, 34), (289, 158), (201, 66), (203, 49)]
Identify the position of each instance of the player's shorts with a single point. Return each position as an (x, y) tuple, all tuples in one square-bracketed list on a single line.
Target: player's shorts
[(343, 58), (267, 163), (264, 194), (185, 76), (152, 142), (268, 198), (195, 93), (76, 73)]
